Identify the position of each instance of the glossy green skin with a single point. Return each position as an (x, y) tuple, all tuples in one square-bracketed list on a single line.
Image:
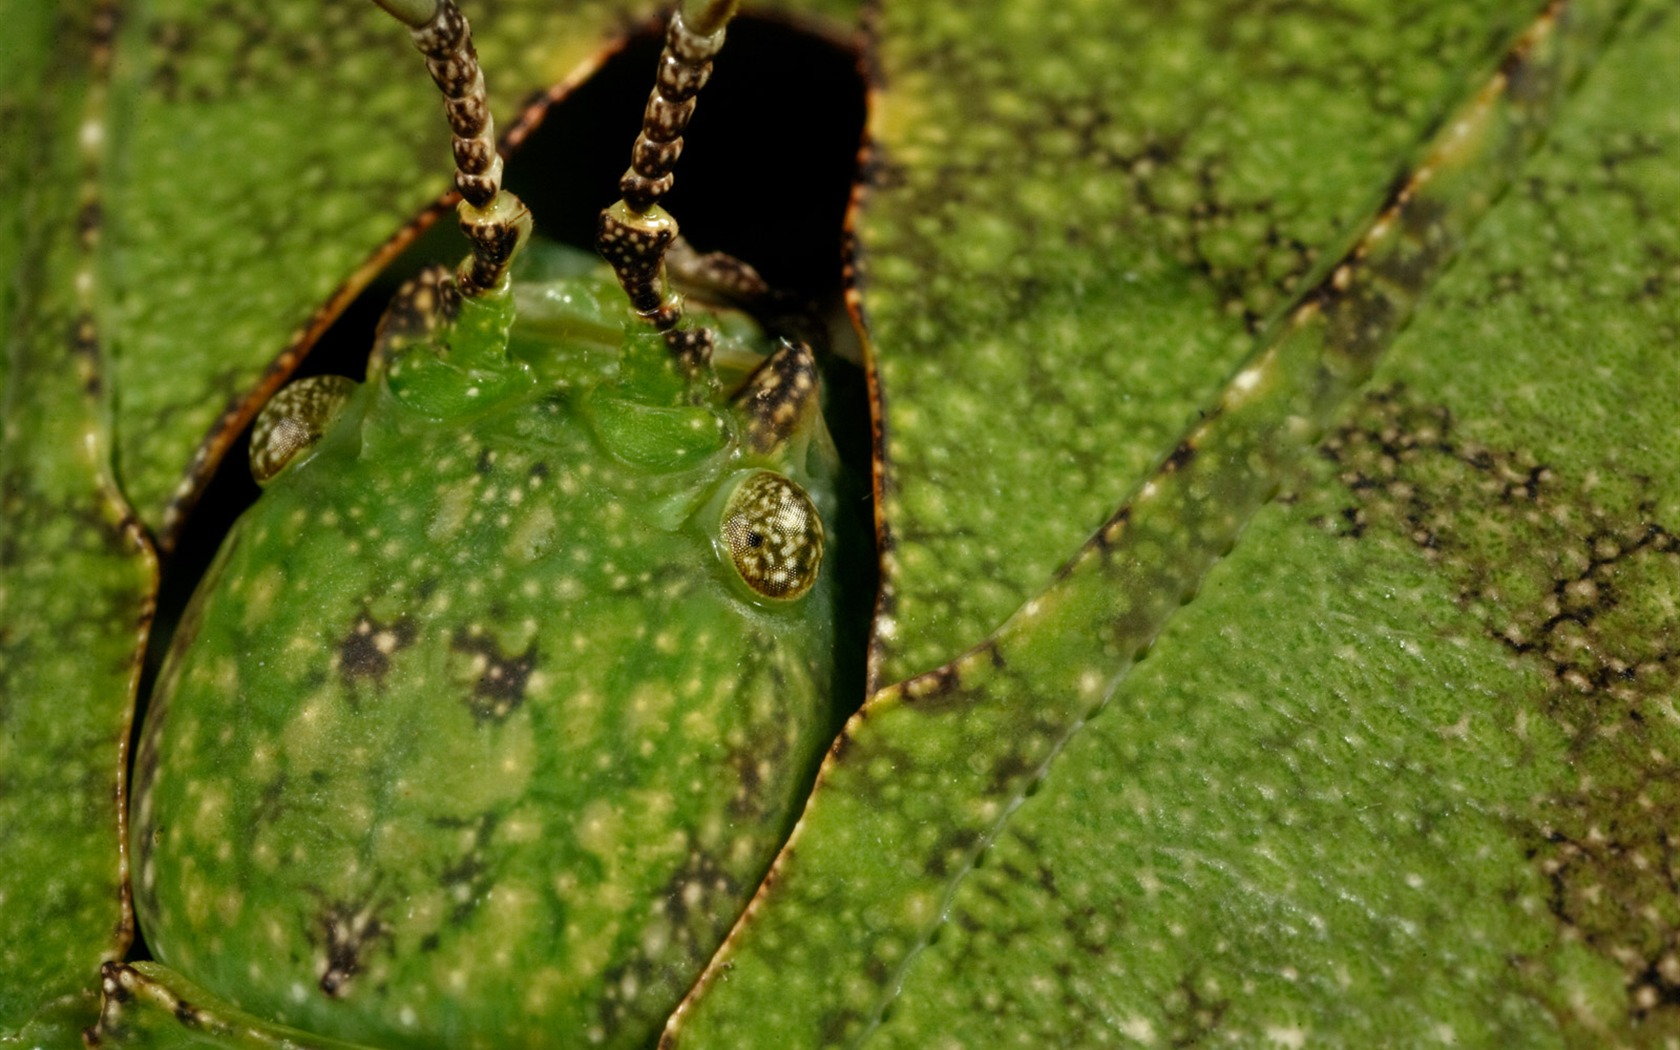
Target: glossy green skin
[(473, 735)]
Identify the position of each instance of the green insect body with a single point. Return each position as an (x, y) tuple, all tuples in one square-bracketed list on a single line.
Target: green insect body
[(479, 679), (527, 653)]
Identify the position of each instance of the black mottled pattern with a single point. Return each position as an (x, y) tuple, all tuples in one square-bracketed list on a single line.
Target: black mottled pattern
[(366, 651), (498, 678), (1570, 593)]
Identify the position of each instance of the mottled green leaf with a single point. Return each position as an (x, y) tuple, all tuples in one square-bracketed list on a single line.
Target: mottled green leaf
[(1403, 772), (76, 571), (1399, 771), (1074, 227)]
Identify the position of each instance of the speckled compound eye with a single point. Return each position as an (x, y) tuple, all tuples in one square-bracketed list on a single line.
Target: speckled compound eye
[(293, 420), (774, 536)]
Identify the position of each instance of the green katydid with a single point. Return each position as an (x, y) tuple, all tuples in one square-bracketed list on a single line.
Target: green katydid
[(580, 684)]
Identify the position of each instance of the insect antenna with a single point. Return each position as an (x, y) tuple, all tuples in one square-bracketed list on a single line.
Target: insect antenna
[(635, 234), (495, 222)]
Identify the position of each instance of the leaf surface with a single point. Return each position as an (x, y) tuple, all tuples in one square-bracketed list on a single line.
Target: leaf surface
[(1402, 773), (1398, 770), (76, 571), (1075, 227)]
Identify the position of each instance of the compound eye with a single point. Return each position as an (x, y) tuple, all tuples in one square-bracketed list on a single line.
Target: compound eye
[(294, 420), (773, 535)]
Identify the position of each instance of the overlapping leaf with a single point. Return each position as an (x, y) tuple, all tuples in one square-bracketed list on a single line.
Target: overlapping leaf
[(76, 571), (1398, 771)]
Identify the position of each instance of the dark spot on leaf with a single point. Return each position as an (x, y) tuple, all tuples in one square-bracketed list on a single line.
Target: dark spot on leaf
[(1180, 457), (1579, 588), (187, 1014)]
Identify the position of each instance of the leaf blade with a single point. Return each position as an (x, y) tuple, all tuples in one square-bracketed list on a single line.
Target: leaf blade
[(76, 571), (931, 770)]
